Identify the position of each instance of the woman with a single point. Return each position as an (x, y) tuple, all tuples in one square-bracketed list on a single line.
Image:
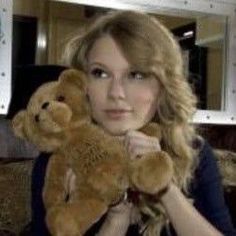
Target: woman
[(135, 75)]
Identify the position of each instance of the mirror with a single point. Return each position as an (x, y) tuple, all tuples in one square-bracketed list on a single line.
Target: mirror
[(202, 38), (5, 54), (203, 43), (205, 31)]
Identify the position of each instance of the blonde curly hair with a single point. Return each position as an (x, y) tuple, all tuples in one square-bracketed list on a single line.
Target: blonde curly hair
[(150, 47)]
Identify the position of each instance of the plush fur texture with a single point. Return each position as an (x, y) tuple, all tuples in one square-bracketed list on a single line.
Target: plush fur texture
[(89, 170)]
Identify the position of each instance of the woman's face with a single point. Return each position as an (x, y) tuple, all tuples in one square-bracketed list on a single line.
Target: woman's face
[(122, 98)]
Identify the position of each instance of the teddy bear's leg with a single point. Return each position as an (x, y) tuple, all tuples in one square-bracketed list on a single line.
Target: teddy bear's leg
[(109, 180), (74, 219), (152, 172)]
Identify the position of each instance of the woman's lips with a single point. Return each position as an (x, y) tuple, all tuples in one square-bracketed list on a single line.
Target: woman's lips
[(116, 113)]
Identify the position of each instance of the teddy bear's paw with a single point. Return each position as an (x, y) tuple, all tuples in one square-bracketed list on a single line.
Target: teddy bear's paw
[(61, 222), (152, 173), (68, 229)]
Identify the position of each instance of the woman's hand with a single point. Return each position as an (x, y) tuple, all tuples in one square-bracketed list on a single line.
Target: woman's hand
[(117, 220), (138, 144), (173, 200), (148, 165), (122, 215), (120, 212)]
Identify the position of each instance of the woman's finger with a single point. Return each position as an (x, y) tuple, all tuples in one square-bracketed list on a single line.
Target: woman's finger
[(139, 152), (122, 207), (150, 144)]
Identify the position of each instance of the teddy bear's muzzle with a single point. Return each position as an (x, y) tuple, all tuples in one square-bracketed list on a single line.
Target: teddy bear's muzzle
[(53, 117)]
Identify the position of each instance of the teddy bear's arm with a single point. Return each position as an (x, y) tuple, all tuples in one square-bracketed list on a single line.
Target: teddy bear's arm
[(56, 189), (65, 216), (152, 129), (152, 173)]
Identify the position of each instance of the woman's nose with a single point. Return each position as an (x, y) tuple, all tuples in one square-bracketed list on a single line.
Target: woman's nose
[(116, 89)]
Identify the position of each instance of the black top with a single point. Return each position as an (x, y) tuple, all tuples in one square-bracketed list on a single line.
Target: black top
[(206, 190)]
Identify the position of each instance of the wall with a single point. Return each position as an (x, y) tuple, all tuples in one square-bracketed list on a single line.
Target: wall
[(57, 22), (27, 7), (65, 21), (39, 9)]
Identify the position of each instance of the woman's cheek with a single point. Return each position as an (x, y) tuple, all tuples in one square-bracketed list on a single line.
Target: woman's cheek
[(144, 98)]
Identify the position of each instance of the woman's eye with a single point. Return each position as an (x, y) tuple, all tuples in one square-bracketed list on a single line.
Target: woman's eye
[(136, 75), (98, 73)]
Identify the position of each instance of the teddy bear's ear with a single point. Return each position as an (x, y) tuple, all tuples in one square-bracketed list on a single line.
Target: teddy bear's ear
[(74, 76), (18, 124)]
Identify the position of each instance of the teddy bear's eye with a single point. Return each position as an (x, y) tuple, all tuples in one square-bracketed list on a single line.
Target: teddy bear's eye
[(60, 98), (45, 105)]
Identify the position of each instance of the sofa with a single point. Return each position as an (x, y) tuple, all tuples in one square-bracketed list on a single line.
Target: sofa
[(15, 184)]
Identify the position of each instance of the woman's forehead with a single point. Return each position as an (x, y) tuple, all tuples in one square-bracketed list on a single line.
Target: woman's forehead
[(106, 51)]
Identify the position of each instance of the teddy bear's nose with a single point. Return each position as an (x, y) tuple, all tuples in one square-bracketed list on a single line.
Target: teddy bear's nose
[(45, 105)]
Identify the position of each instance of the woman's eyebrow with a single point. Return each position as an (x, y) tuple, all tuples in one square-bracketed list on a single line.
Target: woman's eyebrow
[(98, 64), (95, 63)]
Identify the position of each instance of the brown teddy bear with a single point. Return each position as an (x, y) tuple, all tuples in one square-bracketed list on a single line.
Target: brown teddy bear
[(89, 170)]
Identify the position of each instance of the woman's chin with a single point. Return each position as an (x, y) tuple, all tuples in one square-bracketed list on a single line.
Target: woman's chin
[(120, 128), (116, 131)]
